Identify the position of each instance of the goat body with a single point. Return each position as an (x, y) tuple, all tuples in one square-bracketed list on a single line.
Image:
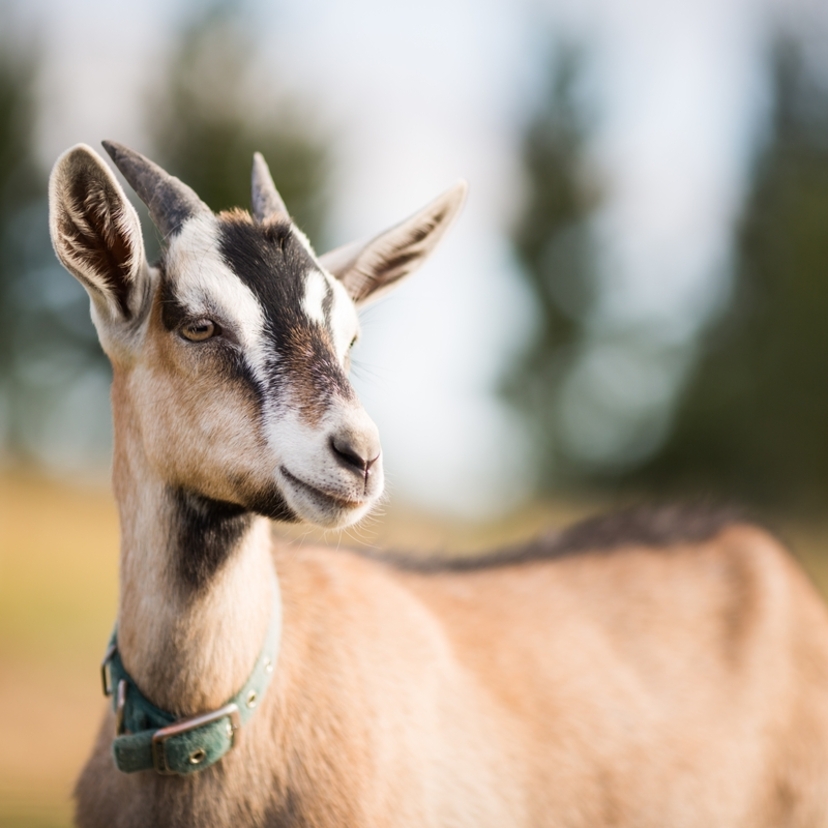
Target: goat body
[(658, 670)]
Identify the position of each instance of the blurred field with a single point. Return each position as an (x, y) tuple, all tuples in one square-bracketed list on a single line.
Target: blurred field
[(58, 587)]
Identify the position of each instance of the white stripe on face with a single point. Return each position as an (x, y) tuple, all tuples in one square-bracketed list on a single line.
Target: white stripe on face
[(344, 319), (206, 286), (315, 291)]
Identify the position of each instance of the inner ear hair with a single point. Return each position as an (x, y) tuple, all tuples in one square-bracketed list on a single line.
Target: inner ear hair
[(368, 270), (95, 230)]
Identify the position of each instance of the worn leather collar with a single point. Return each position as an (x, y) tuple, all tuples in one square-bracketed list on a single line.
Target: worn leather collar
[(148, 737)]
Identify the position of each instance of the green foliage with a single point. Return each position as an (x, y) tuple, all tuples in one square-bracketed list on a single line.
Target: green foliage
[(38, 316), (18, 182), (554, 246), (216, 109), (753, 419)]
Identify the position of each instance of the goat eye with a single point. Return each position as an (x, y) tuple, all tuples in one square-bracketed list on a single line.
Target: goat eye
[(199, 330)]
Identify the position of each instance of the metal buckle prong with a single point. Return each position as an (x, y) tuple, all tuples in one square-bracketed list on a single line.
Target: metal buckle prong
[(120, 707), (106, 676), (159, 756)]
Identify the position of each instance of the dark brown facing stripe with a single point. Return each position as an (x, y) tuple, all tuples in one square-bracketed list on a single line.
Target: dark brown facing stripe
[(274, 264), (208, 531)]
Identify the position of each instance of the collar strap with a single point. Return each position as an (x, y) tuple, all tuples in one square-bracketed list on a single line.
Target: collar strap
[(147, 737)]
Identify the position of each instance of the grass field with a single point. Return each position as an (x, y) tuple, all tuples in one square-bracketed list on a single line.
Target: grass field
[(58, 590)]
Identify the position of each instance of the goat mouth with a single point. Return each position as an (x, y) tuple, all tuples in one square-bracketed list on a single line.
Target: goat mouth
[(319, 496)]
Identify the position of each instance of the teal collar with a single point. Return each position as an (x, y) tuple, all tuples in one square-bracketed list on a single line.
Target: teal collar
[(147, 737)]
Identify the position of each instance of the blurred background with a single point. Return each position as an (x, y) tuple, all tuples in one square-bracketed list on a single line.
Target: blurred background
[(633, 305)]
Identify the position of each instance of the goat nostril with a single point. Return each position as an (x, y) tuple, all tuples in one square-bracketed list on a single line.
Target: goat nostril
[(350, 455)]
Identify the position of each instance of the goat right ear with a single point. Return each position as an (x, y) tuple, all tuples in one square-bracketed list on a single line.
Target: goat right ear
[(368, 270), (96, 233)]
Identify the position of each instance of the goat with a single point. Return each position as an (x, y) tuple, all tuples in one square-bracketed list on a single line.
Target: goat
[(661, 669)]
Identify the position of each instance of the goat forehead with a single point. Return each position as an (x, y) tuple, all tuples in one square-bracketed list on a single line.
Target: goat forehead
[(291, 316), (303, 310), (275, 263), (256, 273)]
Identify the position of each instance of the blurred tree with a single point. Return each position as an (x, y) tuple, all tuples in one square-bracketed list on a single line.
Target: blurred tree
[(753, 420), (46, 341), (555, 247), (207, 119), (215, 109), (18, 191)]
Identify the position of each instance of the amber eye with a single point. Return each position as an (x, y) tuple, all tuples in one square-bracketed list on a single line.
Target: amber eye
[(199, 330)]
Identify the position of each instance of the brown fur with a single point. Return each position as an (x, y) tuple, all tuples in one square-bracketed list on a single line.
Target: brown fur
[(635, 689), (680, 681)]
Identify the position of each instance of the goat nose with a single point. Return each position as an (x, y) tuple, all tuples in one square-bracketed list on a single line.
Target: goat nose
[(357, 450)]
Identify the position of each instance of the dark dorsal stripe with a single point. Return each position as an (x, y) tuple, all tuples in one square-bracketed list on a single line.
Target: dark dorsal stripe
[(660, 527)]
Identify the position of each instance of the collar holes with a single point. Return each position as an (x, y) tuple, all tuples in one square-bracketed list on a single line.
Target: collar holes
[(197, 756)]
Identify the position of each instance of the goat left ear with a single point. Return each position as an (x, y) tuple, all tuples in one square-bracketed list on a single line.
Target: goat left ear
[(96, 234), (368, 270)]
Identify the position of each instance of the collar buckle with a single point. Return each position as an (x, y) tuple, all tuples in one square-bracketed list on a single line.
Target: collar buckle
[(159, 738), (106, 675)]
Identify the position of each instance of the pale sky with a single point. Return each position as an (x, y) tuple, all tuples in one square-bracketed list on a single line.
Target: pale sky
[(422, 94)]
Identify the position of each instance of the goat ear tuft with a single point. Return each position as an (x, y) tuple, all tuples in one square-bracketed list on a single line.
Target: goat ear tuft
[(96, 233), (368, 270)]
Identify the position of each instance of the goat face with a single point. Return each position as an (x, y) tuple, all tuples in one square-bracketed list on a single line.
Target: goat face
[(231, 356)]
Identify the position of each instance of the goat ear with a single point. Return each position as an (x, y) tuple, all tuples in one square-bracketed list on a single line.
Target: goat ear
[(369, 270), (96, 233)]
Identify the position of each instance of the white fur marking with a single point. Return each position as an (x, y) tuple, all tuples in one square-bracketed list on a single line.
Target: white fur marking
[(344, 319), (315, 291), (205, 284)]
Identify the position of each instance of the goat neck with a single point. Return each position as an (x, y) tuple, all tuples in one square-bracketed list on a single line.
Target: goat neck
[(196, 584)]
